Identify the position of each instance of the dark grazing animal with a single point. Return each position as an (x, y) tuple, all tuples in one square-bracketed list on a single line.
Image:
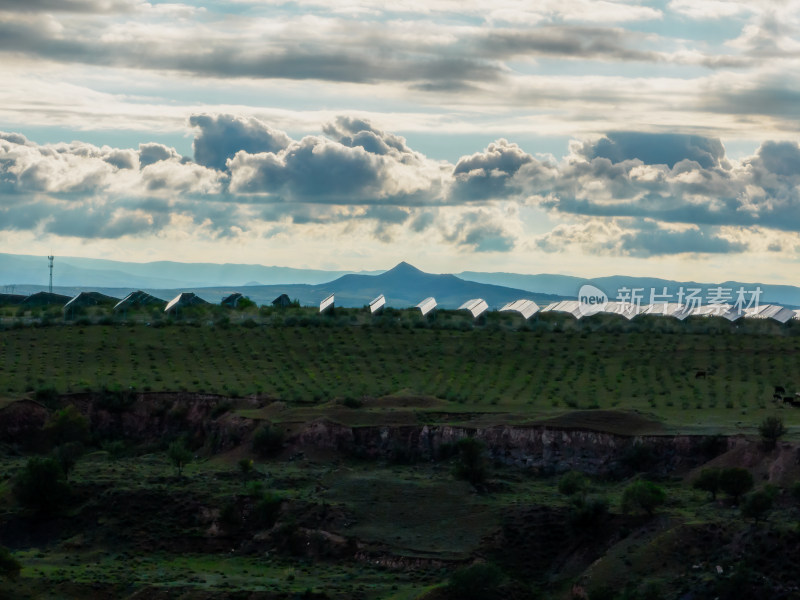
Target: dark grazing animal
[(779, 389), (700, 375)]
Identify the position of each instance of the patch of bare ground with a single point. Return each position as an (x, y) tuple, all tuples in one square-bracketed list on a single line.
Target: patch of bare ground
[(610, 421)]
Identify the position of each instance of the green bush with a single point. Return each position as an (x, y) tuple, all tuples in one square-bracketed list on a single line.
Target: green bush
[(47, 395), (643, 495), (42, 485), (266, 509), (267, 440), (757, 504), (67, 425), (179, 455), (708, 481), (572, 483), (771, 429), (351, 402), (9, 566), (476, 582), (735, 482), (587, 513)]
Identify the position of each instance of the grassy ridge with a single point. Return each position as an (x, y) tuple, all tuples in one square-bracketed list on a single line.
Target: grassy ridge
[(532, 372)]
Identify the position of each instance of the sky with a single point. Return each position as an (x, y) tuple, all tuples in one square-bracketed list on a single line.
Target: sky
[(582, 137)]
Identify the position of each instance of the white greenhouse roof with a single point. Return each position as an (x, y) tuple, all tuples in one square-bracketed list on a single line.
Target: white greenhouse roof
[(427, 305), (527, 308), (377, 304), (572, 307), (770, 311), (476, 306), (667, 309), (326, 304), (715, 310), (625, 309)]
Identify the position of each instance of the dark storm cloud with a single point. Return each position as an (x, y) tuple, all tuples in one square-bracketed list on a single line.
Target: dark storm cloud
[(656, 148), (220, 137)]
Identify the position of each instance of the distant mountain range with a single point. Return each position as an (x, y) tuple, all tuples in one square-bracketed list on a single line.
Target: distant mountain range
[(93, 273), (404, 285), (567, 286)]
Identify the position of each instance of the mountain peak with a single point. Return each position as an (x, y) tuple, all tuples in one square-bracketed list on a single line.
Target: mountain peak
[(403, 268)]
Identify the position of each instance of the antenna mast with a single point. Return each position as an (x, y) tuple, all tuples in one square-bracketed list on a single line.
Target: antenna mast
[(50, 260)]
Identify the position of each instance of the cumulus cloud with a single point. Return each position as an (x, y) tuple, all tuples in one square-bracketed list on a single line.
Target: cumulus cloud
[(627, 193), (220, 137), (152, 153), (489, 174), (656, 148), (688, 181), (361, 165)]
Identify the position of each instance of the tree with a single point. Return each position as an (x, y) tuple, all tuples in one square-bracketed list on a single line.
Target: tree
[(9, 566), (771, 430), (67, 425), (67, 455), (735, 482), (471, 462), (42, 485), (245, 468), (179, 455), (708, 481), (643, 495), (757, 504), (572, 483)]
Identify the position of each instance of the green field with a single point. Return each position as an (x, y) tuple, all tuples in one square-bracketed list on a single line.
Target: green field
[(498, 373)]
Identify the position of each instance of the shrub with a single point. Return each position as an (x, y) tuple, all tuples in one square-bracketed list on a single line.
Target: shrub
[(267, 440), (42, 485), (572, 483), (643, 495), (757, 504), (9, 566), (47, 395), (708, 481), (179, 455), (67, 456), (771, 429), (587, 513), (735, 482), (266, 509), (351, 402), (67, 425), (471, 462), (476, 582)]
